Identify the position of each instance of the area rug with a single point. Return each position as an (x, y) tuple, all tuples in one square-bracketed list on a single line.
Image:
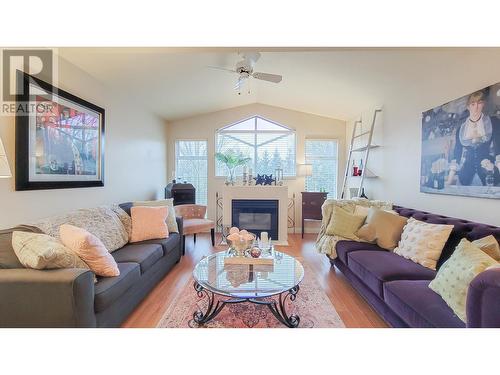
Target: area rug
[(311, 305)]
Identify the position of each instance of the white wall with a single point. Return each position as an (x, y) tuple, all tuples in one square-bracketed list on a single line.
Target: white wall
[(432, 79), (306, 126), (135, 156)]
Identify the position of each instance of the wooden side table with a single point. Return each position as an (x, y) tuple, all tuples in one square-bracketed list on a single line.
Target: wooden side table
[(311, 206)]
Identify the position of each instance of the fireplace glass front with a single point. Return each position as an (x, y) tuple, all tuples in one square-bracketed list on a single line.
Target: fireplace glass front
[(256, 216)]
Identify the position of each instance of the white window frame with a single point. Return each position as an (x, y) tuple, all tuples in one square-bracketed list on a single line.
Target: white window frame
[(286, 131), (176, 153), (336, 156)]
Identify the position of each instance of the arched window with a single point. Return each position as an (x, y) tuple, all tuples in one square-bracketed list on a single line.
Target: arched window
[(268, 145)]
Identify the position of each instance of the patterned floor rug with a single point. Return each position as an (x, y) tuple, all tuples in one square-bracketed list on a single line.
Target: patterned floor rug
[(311, 305)]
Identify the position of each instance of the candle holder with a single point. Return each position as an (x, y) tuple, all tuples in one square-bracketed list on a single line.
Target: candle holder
[(279, 176)]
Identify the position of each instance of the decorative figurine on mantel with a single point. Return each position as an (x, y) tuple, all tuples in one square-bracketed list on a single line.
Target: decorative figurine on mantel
[(247, 177), (250, 177), (264, 179)]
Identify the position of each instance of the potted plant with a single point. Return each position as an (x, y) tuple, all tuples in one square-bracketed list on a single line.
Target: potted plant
[(231, 160)]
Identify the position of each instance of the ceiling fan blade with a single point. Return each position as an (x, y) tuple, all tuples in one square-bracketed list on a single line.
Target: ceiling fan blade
[(251, 57), (276, 78), (219, 68), (239, 83)]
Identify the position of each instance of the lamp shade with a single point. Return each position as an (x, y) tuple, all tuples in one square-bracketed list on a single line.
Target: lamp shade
[(305, 169), (4, 163)]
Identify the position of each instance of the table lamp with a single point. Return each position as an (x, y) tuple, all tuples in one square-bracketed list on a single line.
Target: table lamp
[(305, 170), (4, 163)]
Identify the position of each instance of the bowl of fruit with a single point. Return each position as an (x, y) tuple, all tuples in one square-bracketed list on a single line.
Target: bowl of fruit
[(240, 240)]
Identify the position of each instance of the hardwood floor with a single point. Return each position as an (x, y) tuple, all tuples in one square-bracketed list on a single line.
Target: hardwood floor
[(352, 308)]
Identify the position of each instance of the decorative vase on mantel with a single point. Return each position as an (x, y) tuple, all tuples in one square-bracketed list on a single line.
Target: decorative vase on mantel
[(230, 179)]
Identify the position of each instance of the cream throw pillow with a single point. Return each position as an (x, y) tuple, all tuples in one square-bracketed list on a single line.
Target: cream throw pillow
[(423, 242), (344, 224), (383, 228), (41, 251), (169, 203), (453, 278), (490, 246)]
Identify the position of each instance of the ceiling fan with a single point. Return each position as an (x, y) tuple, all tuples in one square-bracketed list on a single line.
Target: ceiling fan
[(244, 69)]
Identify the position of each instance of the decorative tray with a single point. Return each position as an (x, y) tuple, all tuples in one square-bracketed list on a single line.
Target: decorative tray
[(248, 260)]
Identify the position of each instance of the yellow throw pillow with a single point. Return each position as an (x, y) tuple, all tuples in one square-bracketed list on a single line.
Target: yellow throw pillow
[(41, 251), (344, 224), (490, 246), (383, 228), (423, 242), (453, 278)]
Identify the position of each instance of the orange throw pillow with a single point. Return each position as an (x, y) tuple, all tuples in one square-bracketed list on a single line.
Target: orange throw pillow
[(148, 223), (90, 249)]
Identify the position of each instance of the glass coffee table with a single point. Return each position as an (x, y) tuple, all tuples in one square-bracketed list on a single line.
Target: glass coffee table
[(235, 283)]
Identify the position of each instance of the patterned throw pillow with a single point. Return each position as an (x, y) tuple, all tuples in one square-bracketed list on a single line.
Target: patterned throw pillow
[(171, 222), (344, 224), (40, 251), (102, 222), (453, 278), (490, 246), (90, 249), (423, 242), (123, 216)]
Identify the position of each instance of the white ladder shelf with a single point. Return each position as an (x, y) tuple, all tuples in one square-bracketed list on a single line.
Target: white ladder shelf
[(366, 149)]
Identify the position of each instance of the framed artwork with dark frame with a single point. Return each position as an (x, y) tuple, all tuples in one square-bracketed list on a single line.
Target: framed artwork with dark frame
[(59, 138)]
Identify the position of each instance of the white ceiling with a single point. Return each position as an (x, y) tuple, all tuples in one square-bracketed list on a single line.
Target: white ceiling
[(339, 83)]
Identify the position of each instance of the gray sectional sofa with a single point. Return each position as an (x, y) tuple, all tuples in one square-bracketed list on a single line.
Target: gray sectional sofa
[(70, 297)]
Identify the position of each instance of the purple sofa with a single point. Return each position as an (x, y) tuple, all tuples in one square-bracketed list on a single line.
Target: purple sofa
[(397, 288)]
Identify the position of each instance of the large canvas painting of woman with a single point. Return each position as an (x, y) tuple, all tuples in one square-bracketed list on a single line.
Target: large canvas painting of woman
[(461, 146)]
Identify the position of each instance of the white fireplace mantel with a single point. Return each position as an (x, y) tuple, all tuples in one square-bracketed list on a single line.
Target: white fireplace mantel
[(279, 193)]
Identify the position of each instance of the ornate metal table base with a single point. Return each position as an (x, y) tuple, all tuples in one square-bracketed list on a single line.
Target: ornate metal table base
[(278, 308)]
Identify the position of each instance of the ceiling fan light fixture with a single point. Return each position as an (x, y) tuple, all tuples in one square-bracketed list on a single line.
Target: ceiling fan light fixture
[(244, 69)]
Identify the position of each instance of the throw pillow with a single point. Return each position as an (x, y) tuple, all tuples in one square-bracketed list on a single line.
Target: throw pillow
[(361, 210), (344, 224), (8, 258), (41, 251), (101, 221), (90, 249), (124, 218), (423, 242), (169, 203), (490, 246), (383, 228), (453, 278), (148, 223)]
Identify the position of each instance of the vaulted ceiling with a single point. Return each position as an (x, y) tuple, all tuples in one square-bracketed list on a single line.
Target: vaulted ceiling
[(337, 82)]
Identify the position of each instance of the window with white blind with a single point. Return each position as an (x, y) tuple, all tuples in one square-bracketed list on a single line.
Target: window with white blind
[(268, 145), (322, 155), (191, 165)]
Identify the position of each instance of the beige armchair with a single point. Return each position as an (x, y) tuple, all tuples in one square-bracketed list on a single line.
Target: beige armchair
[(193, 216)]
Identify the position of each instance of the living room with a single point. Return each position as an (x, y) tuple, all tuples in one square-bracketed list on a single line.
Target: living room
[(177, 186)]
